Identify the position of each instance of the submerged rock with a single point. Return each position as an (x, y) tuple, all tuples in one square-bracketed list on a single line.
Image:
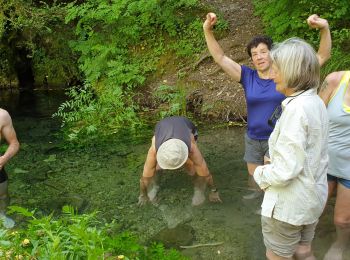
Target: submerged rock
[(73, 200), (181, 235)]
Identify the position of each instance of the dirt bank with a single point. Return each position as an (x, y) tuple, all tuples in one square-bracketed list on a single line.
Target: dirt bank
[(210, 93)]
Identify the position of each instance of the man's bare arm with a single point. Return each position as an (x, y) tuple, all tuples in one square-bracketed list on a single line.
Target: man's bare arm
[(9, 134), (149, 170), (202, 171)]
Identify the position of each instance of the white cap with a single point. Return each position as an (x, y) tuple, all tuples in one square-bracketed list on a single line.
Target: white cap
[(172, 154)]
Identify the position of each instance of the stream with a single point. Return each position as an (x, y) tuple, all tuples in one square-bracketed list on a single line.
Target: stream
[(105, 178)]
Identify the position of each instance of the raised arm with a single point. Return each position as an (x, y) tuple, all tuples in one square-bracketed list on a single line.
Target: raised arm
[(9, 134), (324, 51), (232, 68)]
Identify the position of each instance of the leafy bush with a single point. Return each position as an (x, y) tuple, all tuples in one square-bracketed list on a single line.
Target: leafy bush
[(120, 43), (281, 23), (174, 98), (36, 31), (88, 116), (74, 236)]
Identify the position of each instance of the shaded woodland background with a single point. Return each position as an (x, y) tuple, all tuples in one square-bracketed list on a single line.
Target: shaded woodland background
[(122, 60)]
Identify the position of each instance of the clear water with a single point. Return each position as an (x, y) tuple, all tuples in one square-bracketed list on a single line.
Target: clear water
[(106, 178)]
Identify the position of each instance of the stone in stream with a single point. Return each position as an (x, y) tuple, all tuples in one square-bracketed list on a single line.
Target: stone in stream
[(181, 235), (73, 200)]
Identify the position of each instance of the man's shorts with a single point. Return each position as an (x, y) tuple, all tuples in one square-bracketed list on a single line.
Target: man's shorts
[(255, 150), (3, 175), (344, 182), (283, 238)]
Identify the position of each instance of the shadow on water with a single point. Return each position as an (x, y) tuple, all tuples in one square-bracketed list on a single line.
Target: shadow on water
[(105, 177), (31, 102)]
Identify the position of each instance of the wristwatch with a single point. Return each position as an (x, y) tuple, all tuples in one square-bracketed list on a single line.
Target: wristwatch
[(214, 190)]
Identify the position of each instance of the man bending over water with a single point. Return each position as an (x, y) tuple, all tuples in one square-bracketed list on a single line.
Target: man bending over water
[(173, 146), (8, 133)]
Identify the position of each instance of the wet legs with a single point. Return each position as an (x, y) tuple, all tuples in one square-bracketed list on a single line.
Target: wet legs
[(4, 197), (342, 223)]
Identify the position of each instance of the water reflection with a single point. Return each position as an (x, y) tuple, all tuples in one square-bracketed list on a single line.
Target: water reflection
[(31, 102)]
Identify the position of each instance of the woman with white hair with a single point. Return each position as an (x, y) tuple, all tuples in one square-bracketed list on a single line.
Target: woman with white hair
[(295, 183)]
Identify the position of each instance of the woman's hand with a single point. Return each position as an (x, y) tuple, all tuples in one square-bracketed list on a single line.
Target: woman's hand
[(210, 21), (316, 22)]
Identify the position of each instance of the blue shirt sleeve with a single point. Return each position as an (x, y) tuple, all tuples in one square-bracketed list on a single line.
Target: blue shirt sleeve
[(246, 74)]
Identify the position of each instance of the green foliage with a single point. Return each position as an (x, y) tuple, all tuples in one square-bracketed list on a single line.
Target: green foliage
[(74, 236), (6, 70), (174, 99), (80, 105), (120, 43), (39, 31), (281, 23), (3, 148), (89, 118), (187, 46), (114, 34), (113, 46)]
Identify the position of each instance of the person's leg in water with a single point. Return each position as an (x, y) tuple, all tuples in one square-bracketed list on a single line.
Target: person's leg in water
[(4, 202), (199, 184), (304, 248), (256, 154), (304, 252), (341, 221), (4, 198), (257, 192)]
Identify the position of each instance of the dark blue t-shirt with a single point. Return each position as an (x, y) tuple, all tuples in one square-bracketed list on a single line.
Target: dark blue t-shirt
[(262, 99), (177, 127)]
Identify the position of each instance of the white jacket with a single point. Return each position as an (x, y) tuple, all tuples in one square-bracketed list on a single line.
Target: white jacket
[(295, 182)]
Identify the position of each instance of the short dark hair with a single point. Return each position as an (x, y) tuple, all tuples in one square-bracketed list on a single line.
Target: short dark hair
[(256, 41)]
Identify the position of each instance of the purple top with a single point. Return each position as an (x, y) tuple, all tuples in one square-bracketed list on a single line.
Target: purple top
[(177, 127), (262, 99)]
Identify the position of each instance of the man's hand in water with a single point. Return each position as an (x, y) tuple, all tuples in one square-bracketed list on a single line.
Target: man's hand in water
[(214, 196), (143, 199)]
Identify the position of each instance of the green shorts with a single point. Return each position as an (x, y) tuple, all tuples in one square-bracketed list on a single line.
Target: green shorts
[(283, 238)]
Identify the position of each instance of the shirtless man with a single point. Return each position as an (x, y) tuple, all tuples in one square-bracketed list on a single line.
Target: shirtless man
[(8, 133)]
